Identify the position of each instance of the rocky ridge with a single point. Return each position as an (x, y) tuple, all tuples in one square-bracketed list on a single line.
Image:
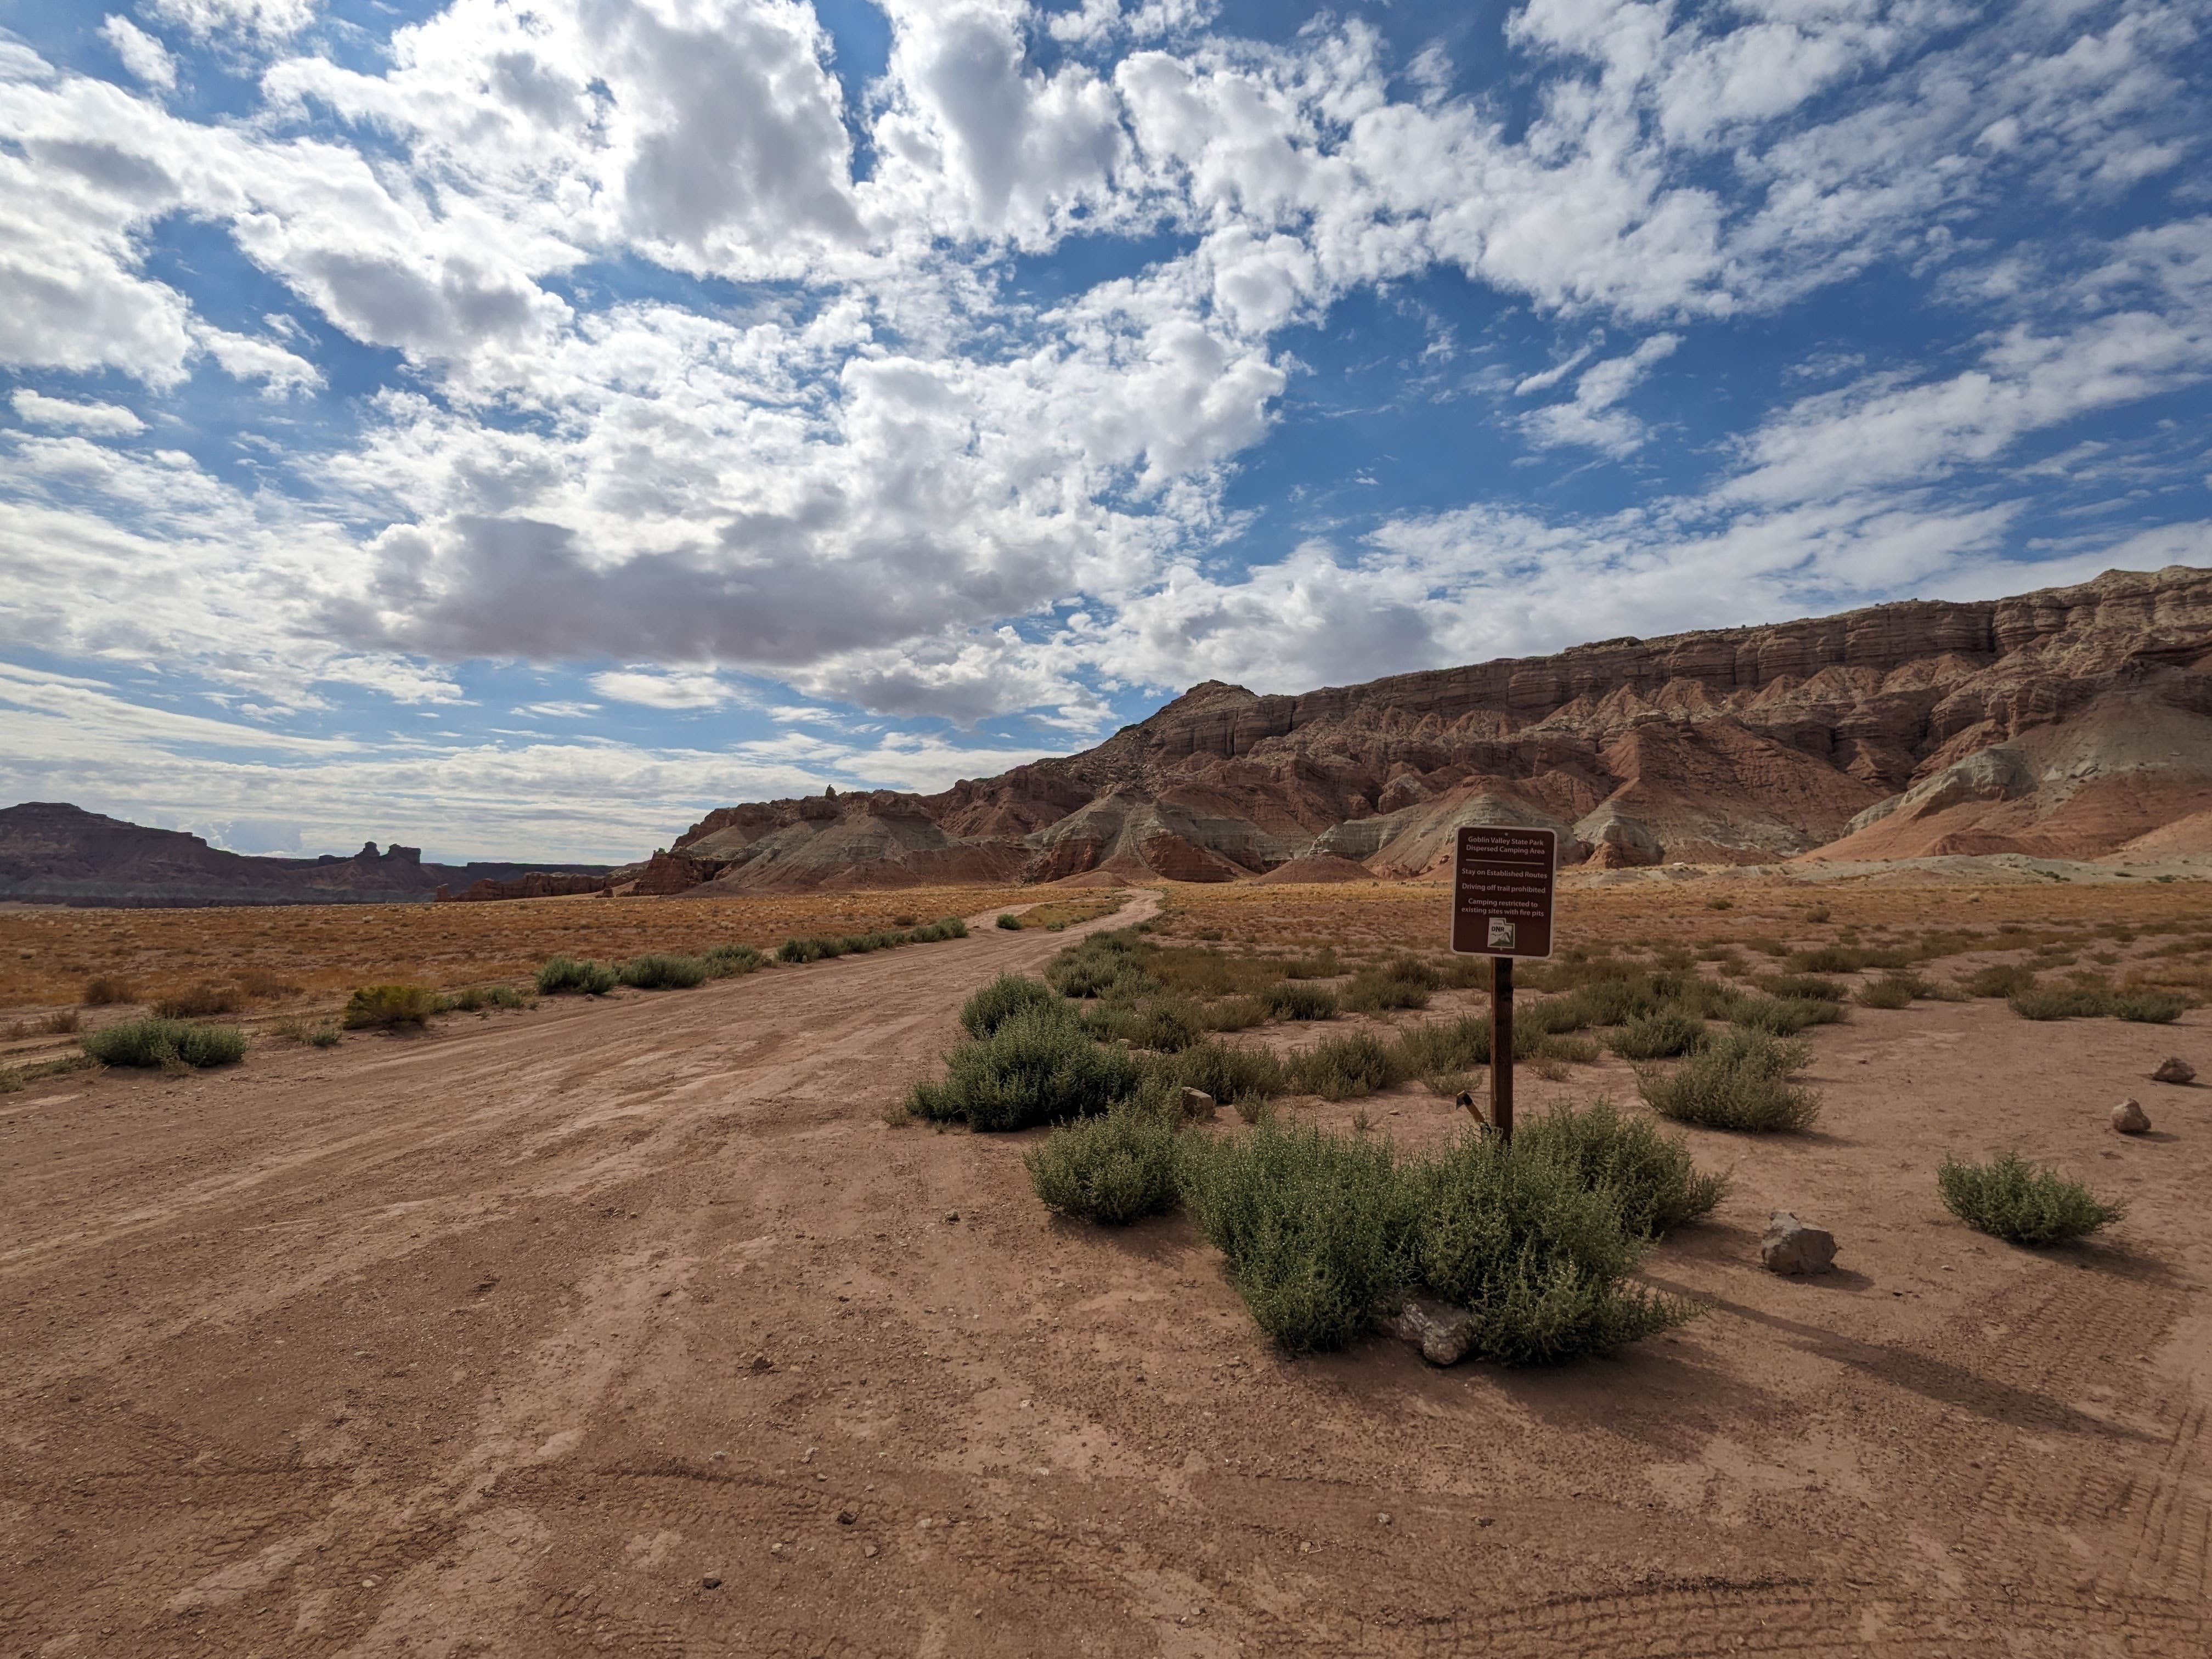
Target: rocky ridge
[(2072, 722)]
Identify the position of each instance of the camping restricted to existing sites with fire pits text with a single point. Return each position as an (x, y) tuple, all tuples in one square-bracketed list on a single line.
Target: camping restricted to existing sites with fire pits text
[(1503, 882)]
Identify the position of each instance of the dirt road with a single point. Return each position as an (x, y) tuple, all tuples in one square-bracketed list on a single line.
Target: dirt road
[(633, 1328)]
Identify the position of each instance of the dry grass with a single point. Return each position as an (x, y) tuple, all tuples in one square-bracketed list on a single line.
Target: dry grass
[(47, 954)]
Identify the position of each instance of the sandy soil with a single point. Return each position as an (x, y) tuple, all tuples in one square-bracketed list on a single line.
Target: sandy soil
[(633, 1328)]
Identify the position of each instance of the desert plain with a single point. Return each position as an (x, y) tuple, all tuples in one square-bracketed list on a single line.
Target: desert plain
[(650, 1324)]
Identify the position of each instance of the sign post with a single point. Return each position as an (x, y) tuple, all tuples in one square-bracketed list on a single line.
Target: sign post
[(1503, 884)]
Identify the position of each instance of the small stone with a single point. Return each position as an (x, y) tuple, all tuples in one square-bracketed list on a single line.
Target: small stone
[(1792, 1247), (762, 1362), (710, 1582), (2174, 1071), (1382, 1520), (1196, 1102), (1441, 1332), (846, 1517), (868, 1549), (2130, 1118), (952, 1215)]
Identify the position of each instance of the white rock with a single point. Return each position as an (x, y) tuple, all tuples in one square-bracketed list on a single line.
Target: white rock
[(2130, 1118)]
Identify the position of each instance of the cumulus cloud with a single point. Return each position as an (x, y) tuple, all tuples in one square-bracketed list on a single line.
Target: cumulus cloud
[(141, 54), (101, 420), (658, 688), (264, 21)]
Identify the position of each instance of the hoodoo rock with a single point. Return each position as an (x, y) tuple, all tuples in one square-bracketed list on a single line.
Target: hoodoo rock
[(2074, 722)]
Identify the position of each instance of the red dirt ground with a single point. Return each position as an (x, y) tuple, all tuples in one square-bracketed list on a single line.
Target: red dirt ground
[(635, 1328)]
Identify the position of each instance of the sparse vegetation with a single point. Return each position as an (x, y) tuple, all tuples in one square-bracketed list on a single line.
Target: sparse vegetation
[(1294, 999), (475, 998), (106, 990), (1007, 919), (1785, 1015), (728, 961), (1347, 1067), (166, 1042), (1890, 991), (2002, 979), (2024, 1203), (1003, 998), (1660, 1035), (1111, 1169), (1647, 1173), (1233, 1076), (198, 1002), (657, 972), (564, 975), (306, 1032), (1037, 1067), (388, 1006), (1741, 1080)]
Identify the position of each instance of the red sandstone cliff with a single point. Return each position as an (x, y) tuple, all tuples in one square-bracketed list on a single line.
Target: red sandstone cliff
[(2072, 722)]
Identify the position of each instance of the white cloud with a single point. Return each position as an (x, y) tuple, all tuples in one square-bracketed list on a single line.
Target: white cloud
[(100, 420), (559, 709), (141, 54), (265, 21), (1592, 418), (662, 688)]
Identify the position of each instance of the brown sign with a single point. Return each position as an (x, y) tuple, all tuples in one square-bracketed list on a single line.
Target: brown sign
[(1502, 886)]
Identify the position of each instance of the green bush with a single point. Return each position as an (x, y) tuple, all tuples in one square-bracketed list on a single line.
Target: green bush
[(1347, 1067), (1009, 920), (1235, 1014), (1321, 964), (1551, 1016), (1165, 1024), (2023, 1202), (2149, 1007), (1739, 1080), (1110, 1169), (1646, 1173), (2004, 979), (2060, 1002), (200, 1001), (999, 1001), (728, 961), (1313, 1226), (1785, 1015), (1372, 993), (815, 947), (1445, 1048), (1890, 991), (1800, 985), (657, 972), (1614, 999), (1037, 1067), (1660, 1035), (1513, 1233), (1107, 962), (1293, 1000), (390, 1005), (475, 998), (159, 1042), (565, 973), (947, 927), (1229, 1073)]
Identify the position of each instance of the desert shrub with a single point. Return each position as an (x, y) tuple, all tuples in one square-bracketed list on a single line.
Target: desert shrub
[(1890, 991), (2002, 979), (902, 921), (391, 1005), (2060, 1002), (1229, 1073), (1827, 959), (296, 1029), (1785, 1015), (1346, 1067), (1372, 992), (1739, 1080), (1800, 985), (1646, 1172), (2148, 1007), (159, 1042), (1007, 919), (1657, 1037), (1446, 1047), (1514, 1234), (946, 927), (2019, 1201), (1037, 1067), (1106, 963), (60, 1023), (1165, 1024), (1235, 1014), (1321, 964), (1002, 998), (1110, 1169), (1550, 1047), (564, 974), (728, 961), (815, 947), (657, 972), (1551, 1015), (263, 983), (1312, 1226), (198, 1002), (106, 990), (1291, 1000), (1720, 904)]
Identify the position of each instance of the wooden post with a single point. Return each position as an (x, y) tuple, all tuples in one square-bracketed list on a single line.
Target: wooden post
[(1501, 1046)]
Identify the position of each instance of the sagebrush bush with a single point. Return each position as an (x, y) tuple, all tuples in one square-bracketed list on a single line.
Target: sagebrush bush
[(1111, 1169), (1551, 1016), (1002, 998), (2004, 979), (1741, 1080), (1295, 999), (105, 990), (1512, 1233), (1660, 1035), (655, 971), (1321, 964), (728, 961), (1313, 1226), (1230, 1074), (1347, 1067), (1446, 1047), (1800, 985), (475, 998), (2022, 1202), (390, 1005), (1785, 1015), (1111, 962), (2148, 1007), (1037, 1067), (814, 948), (2060, 1002), (1373, 992), (1647, 1173), (1235, 1014), (1165, 1024), (944, 927), (1008, 920), (159, 1042), (198, 1002), (1890, 991), (565, 973)]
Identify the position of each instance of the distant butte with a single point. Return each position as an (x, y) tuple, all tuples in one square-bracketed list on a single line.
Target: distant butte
[(2074, 722)]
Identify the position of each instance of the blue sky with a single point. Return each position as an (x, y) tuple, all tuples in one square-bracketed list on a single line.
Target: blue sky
[(516, 428)]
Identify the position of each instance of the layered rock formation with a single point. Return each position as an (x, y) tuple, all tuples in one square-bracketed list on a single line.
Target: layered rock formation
[(2073, 722), (54, 854)]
